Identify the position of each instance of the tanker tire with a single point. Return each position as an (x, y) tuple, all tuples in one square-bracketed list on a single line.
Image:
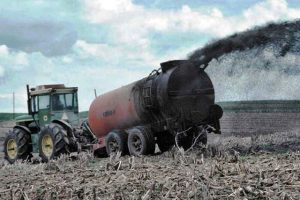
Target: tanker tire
[(22, 140), (58, 136), (140, 141), (116, 141), (150, 139), (165, 141)]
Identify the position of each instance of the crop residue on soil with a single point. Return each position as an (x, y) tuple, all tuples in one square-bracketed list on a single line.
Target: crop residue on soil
[(235, 170)]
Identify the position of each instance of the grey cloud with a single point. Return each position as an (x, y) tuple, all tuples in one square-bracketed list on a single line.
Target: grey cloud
[(48, 37)]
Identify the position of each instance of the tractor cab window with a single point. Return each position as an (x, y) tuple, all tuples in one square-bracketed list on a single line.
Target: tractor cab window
[(44, 102), (64, 101), (69, 101), (57, 102)]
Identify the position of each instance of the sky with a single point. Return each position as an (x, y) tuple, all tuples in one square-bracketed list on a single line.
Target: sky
[(104, 44)]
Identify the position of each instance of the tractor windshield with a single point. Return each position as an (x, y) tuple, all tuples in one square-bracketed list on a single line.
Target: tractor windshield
[(64, 101)]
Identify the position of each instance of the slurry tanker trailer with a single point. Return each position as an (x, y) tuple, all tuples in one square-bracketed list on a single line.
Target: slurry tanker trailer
[(174, 105)]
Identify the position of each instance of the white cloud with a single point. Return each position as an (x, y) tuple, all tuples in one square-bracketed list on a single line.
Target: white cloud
[(111, 54), (67, 60), (3, 50), (132, 22), (110, 11), (263, 12), (99, 50), (12, 60), (21, 59)]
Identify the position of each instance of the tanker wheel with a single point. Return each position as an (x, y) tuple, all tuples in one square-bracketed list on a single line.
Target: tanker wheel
[(140, 141), (17, 145), (165, 141), (116, 141), (53, 142)]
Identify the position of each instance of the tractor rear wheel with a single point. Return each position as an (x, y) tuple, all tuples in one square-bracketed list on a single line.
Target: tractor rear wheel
[(17, 145), (116, 141), (53, 142), (140, 141)]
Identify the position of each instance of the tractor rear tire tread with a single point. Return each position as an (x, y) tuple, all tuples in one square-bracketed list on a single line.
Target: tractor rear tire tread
[(59, 137)]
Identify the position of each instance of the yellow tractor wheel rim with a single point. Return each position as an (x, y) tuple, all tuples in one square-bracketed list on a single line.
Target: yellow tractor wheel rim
[(12, 149), (47, 145)]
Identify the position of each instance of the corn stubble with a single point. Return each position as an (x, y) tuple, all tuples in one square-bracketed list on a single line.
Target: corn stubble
[(230, 168)]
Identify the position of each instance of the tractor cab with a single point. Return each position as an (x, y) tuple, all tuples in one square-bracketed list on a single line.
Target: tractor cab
[(53, 102)]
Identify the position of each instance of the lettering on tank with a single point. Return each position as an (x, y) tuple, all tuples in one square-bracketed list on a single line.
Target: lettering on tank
[(108, 113)]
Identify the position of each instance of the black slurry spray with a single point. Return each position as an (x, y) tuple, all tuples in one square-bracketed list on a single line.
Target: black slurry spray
[(258, 64)]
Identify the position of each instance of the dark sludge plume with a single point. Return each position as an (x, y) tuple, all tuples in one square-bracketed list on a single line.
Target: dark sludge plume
[(281, 33)]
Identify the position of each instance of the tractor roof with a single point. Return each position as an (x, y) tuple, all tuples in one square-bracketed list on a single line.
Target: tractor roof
[(46, 89)]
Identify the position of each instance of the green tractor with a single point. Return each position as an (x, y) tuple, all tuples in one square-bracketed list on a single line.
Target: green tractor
[(51, 127)]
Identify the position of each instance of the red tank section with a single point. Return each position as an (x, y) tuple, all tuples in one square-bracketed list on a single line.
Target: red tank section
[(113, 110)]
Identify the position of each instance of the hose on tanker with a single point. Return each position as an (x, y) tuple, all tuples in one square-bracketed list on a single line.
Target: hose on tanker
[(204, 130), (86, 125)]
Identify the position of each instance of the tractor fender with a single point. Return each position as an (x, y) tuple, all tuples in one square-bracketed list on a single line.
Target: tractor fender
[(65, 125), (24, 128)]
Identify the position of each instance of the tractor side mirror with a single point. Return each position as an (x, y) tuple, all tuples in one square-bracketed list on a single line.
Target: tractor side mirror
[(29, 105)]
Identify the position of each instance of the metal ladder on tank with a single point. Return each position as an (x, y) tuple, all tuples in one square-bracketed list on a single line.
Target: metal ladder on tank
[(147, 97)]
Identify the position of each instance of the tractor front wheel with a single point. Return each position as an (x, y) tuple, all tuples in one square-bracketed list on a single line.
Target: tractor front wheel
[(53, 142), (17, 145)]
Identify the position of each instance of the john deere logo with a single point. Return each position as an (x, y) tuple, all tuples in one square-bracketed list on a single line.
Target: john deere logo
[(45, 117)]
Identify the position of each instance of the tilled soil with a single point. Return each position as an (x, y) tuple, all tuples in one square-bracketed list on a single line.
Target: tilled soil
[(231, 168)]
